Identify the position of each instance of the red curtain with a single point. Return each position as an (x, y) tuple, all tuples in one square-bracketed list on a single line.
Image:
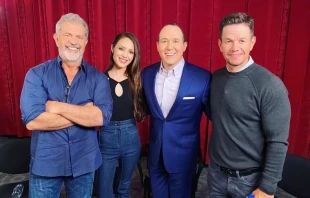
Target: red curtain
[(281, 26)]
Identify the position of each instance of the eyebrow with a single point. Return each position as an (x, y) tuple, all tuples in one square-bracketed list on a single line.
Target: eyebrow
[(125, 47), (168, 39), (229, 38), (74, 34)]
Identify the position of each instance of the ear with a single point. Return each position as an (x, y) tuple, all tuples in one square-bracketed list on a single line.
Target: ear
[(157, 45), (112, 48), (253, 41), (55, 36), (219, 42), (184, 46)]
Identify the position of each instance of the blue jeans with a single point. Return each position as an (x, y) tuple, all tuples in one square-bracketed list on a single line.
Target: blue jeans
[(222, 185), (119, 143), (50, 187)]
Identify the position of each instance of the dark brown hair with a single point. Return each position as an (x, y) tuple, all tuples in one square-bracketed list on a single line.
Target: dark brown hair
[(237, 18), (133, 73)]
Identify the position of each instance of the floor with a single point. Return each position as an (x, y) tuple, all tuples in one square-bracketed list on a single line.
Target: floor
[(137, 190)]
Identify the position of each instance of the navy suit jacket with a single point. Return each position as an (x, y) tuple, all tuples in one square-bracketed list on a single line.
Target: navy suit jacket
[(179, 133)]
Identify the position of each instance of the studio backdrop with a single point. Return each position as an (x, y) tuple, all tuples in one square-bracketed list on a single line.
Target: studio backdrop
[(282, 28)]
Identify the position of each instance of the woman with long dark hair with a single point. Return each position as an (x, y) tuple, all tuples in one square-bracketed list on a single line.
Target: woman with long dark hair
[(119, 141)]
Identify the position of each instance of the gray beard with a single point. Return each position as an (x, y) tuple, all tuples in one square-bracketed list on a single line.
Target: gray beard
[(69, 57)]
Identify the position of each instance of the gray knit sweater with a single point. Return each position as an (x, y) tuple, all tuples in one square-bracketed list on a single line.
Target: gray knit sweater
[(250, 120)]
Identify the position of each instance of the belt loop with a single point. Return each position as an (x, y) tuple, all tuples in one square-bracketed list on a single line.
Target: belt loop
[(237, 173)]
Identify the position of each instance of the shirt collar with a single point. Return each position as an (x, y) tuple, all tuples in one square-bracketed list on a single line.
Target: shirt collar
[(176, 71), (250, 62), (59, 61)]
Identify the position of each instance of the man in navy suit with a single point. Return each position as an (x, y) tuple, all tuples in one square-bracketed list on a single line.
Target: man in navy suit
[(177, 93)]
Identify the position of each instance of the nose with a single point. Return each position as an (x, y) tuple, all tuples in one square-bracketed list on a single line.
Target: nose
[(125, 54), (234, 46), (170, 45), (73, 40)]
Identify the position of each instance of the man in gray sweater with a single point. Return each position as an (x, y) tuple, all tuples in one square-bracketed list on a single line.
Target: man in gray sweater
[(250, 118)]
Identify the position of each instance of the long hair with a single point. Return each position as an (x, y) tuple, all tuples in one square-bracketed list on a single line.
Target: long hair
[(133, 73)]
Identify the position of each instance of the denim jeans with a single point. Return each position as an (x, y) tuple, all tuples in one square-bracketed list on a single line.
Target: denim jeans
[(222, 185), (50, 187), (119, 143)]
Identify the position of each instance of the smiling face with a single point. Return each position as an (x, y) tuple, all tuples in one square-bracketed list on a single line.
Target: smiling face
[(236, 44), (171, 46), (71, 41), (123, 52)]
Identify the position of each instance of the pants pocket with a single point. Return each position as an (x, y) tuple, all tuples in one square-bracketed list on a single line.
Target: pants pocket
[(108, 138), (252, 180), (131, 135)]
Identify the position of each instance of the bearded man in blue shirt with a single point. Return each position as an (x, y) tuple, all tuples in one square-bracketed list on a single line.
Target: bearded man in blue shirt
[(63, 101)]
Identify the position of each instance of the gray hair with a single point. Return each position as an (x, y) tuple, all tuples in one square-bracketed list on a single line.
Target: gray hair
[(71, 18)]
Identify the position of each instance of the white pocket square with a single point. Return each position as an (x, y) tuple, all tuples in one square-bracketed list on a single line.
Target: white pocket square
[(188, 98)]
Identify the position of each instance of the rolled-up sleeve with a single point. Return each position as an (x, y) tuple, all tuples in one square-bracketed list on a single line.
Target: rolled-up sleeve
[(33, 96), (103, 99)]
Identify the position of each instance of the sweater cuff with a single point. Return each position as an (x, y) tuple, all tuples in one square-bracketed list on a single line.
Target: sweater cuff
[(268, 184)]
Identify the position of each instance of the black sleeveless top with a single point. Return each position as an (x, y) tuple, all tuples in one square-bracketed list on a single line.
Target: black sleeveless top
[(123, 105)]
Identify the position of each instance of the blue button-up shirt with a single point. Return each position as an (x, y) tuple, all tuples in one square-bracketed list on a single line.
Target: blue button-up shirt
[(72, 151)]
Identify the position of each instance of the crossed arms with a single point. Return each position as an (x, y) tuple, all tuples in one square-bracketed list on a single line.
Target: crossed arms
[(38, 114), (61, 115)]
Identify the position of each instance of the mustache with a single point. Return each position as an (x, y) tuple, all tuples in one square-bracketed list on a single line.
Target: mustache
[(74, 45)]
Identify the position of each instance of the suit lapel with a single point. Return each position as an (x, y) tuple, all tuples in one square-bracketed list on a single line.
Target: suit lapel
[(185, 84), (152, 86)]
